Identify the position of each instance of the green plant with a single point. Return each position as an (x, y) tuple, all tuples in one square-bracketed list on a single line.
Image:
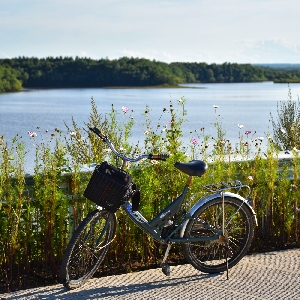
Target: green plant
[(286, 128)]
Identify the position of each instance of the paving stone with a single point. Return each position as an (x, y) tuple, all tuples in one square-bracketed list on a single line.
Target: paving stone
[(272, 275)]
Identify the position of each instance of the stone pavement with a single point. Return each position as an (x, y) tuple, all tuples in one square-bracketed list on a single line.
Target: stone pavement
[(272, 275)]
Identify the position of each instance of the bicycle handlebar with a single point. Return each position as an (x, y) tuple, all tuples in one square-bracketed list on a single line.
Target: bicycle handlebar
[(124, 157)]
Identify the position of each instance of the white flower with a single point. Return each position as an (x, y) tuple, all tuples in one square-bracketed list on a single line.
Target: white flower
[(215, 106), (240, 126), (154, 162), (250, 178), (283, 131), (146, 132), (108, 150), (260, 138), (295, 149), (72, 133), (186, 154)]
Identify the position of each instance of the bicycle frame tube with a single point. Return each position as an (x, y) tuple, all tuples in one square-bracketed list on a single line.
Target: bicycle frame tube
[(154, 228)]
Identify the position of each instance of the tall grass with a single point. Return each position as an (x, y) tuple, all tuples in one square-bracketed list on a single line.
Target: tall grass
[(38, 214)]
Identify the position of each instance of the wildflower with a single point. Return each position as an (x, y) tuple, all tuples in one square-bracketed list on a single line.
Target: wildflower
[(283, 131), (186, 154), (246, 144), (260, 138), (250, 178), (108, 150), (154, 162), (146, 132), (170, 122), (240, 126), (125, 109), (247, 132), (194, 141), (295, 149), (215, 106), (32, 134), (207, 145), (122, 149), (293, 187), (72, 133), (180, 99)]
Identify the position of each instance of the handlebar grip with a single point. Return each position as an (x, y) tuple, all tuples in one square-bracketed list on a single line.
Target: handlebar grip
[(98, 132), (158, 156)]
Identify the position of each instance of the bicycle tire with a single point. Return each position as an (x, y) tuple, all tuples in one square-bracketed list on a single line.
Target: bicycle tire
[(87, 248), (210, 257)]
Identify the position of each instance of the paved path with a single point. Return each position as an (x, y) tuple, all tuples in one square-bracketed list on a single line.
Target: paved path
[(273, 275)]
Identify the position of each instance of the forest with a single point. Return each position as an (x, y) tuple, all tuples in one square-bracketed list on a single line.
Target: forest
[(67, 72)]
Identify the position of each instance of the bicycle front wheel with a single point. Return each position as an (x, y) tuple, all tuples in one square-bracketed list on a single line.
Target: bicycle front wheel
[(87, 248), (212, 256)]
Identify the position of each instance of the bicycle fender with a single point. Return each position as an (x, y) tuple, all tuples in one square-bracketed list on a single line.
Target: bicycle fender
[(203, 201)]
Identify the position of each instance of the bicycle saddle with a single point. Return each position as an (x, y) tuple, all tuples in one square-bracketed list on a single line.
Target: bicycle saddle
[(192, 168)]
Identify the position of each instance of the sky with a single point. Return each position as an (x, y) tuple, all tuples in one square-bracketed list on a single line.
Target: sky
[(211, 31)]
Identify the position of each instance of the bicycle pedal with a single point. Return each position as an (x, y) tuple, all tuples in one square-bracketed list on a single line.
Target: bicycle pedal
[(166, 269)]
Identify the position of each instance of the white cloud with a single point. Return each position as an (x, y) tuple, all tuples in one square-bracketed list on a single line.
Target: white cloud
[(178, 30), (270, 50)]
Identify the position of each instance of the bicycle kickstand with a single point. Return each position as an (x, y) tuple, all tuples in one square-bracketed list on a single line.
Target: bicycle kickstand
[(164, 266)]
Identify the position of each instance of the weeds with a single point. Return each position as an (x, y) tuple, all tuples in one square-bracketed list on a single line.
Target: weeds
[(38, 214)]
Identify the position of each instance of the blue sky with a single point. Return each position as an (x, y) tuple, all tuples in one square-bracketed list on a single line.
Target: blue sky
[(211, 31)]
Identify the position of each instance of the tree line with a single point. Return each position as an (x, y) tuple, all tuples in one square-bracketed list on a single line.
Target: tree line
[(58, 72)]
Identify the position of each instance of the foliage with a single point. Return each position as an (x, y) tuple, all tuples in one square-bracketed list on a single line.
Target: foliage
[(85, 72), (282, 73), (8, 80), (38, 215), (286, 127)]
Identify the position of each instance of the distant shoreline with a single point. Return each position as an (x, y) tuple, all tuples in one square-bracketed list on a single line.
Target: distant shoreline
[(27, 89)]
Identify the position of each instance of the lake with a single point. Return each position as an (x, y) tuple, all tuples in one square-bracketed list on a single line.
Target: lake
[(249, 104)]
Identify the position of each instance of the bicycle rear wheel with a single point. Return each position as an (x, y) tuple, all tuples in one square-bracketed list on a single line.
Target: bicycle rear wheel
[(87, 248), (212, 256)]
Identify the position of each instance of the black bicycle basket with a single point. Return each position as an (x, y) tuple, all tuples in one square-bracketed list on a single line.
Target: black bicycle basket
[(109, 187)]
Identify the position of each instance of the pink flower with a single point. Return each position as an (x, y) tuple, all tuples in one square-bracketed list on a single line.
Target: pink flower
[(194, 141), (170, 122), (32, 134), (250, 178), (125, 109), (247, 132)]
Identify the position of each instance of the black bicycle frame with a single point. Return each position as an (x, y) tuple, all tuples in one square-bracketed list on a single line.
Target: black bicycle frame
[(155, 227)]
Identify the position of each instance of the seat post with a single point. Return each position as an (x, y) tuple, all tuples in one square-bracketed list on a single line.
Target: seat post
[(189, 181)]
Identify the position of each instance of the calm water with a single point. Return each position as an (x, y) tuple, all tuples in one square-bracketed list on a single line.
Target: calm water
[(249, 104)]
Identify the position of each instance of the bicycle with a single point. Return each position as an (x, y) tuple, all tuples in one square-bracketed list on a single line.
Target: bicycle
[(215, 234)]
